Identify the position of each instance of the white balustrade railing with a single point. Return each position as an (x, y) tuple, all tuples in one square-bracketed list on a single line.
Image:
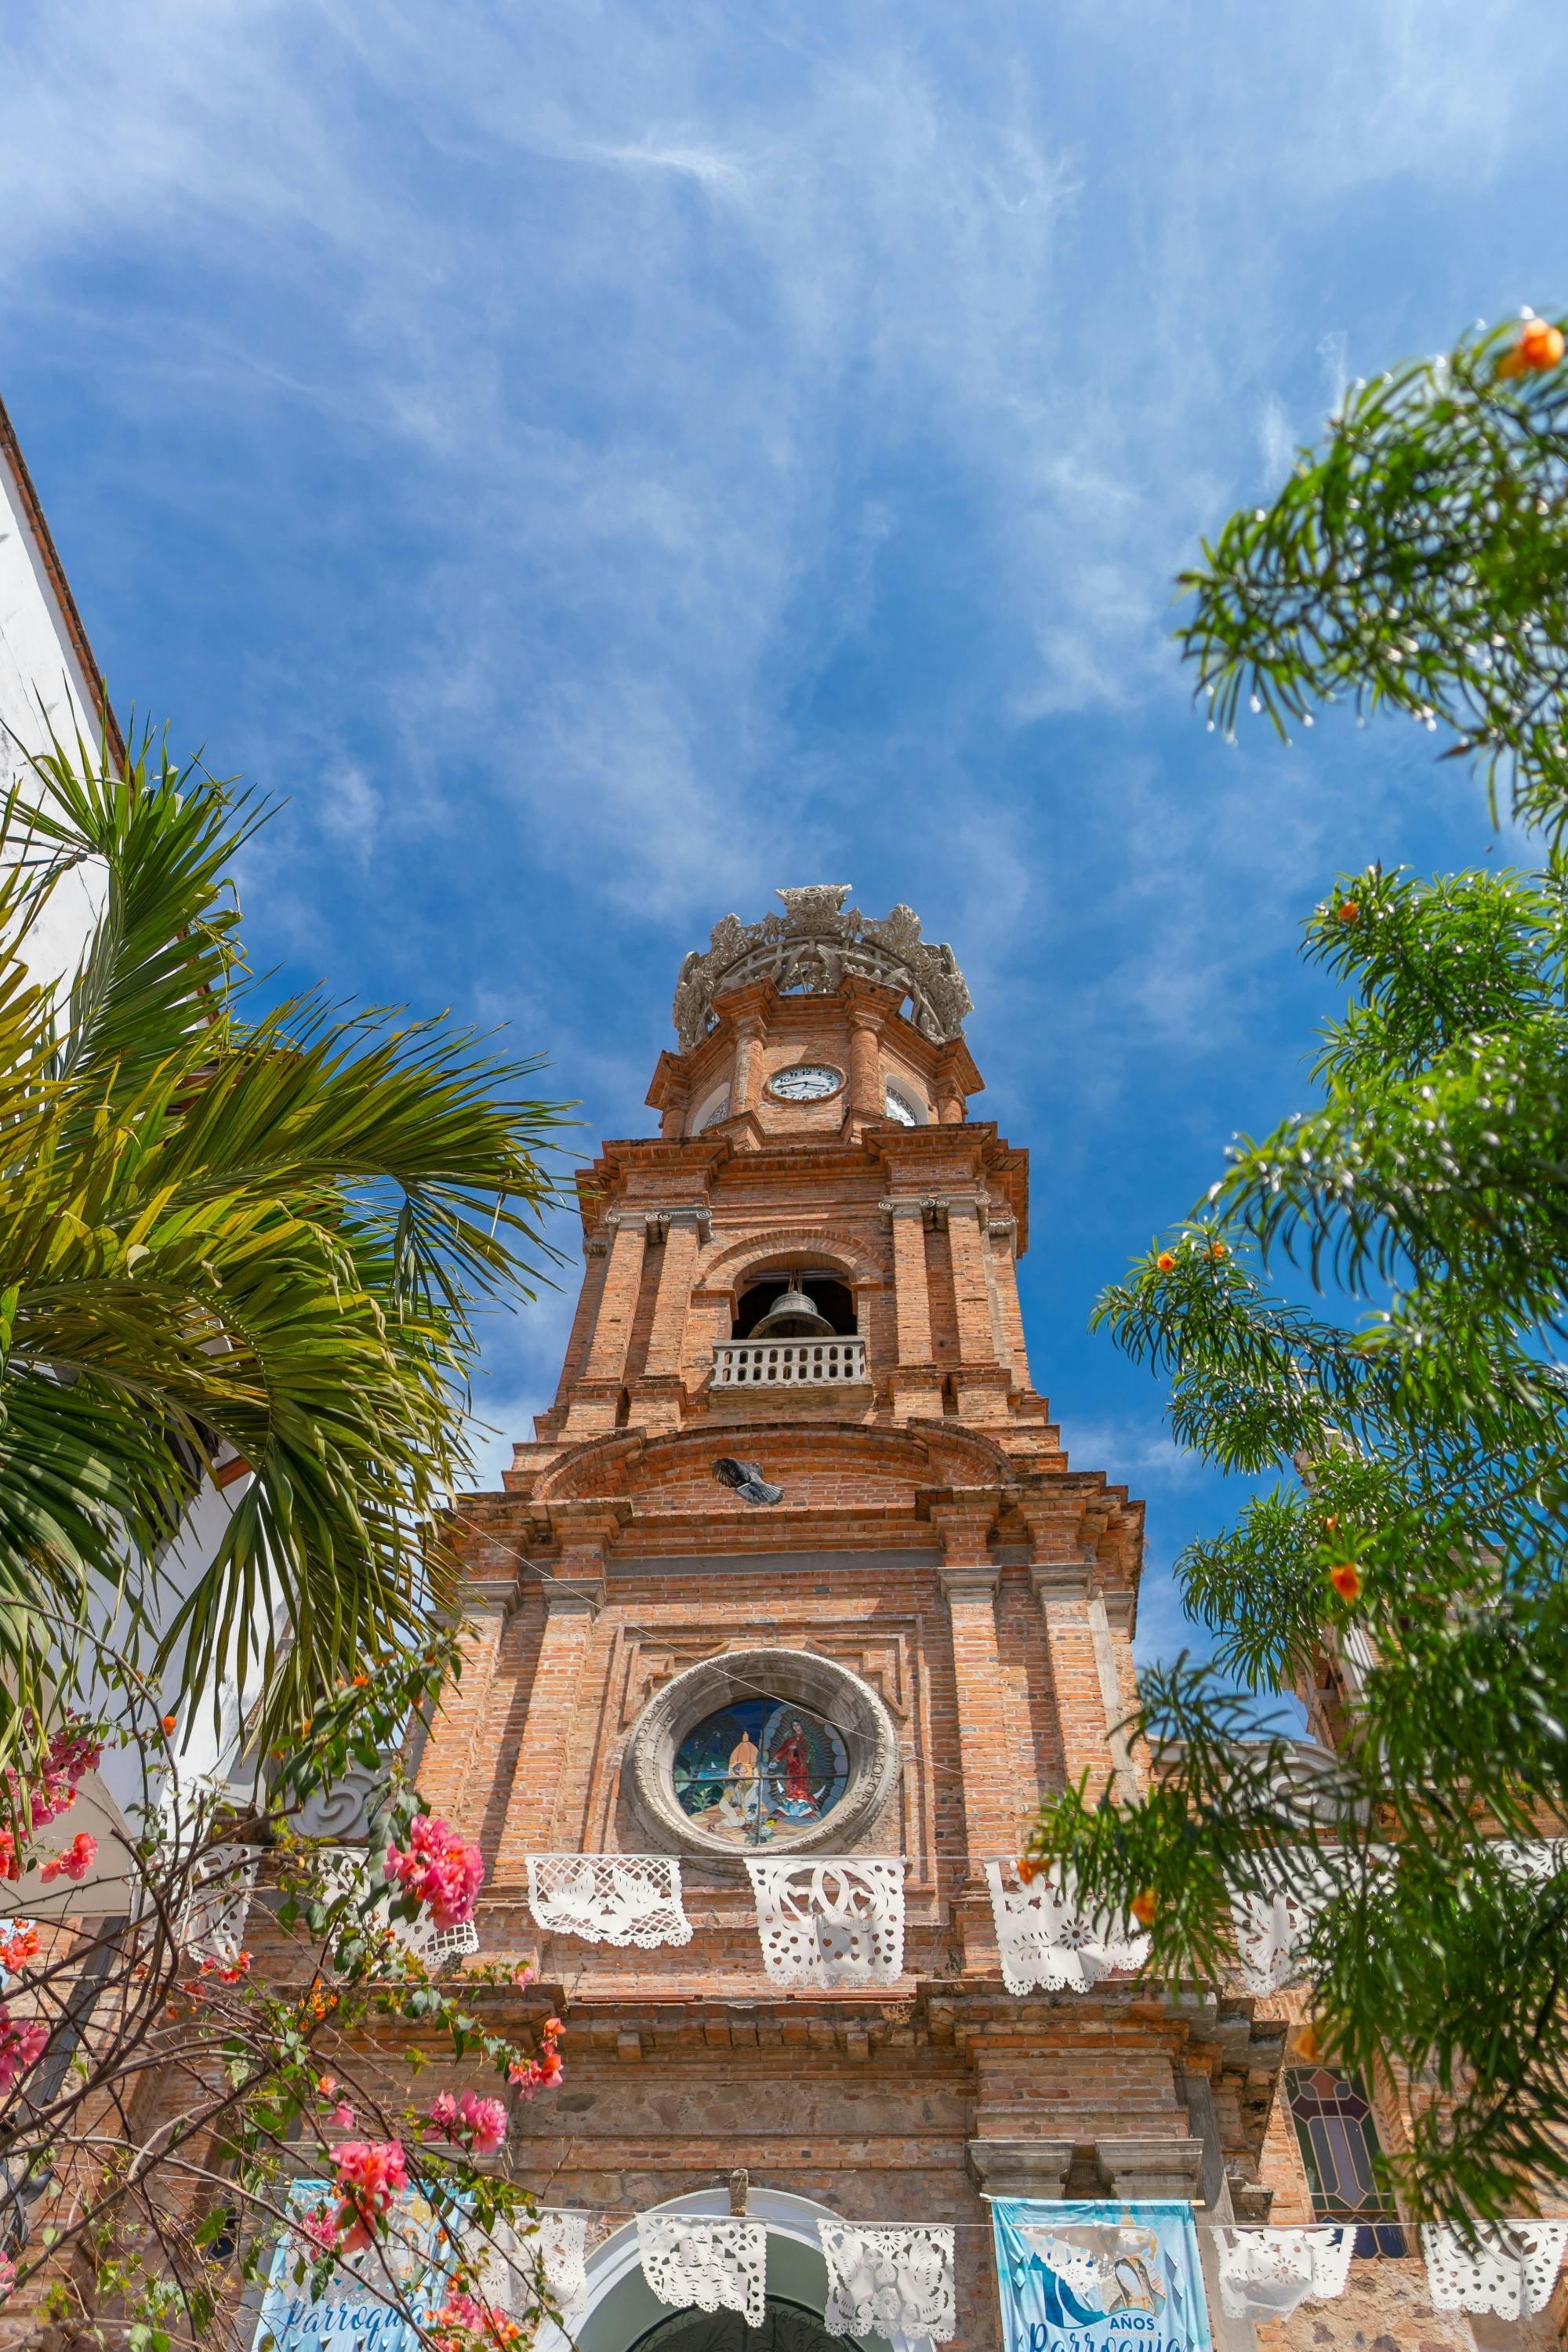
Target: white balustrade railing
[(787, 1363)]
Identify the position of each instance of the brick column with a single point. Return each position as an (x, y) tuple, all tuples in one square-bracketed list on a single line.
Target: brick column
[(596, 1395), (868, 1098), (746, 1087), (982, 1379), (666, 1336), (574, 1592), (994, 1807), (951, 1104), (1004, 1240), (456, 1765), (916, 1380), (1084, 1677)]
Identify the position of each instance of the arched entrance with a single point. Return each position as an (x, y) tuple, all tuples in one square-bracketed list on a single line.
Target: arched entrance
[(620, 2312)]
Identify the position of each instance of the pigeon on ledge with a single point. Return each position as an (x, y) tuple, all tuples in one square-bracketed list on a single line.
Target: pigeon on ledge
[(747, 1479)]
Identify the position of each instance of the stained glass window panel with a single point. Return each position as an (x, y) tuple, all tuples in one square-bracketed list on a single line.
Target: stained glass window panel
[(760, 1769), (1338, 2139)]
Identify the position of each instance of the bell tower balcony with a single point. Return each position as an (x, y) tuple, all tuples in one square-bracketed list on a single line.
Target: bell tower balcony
[(788, 1363)]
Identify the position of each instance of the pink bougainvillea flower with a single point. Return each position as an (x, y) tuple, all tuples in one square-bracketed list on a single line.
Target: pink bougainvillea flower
[(19, 1945), (464, 2321), (371, 2173), (21, 2047), (484, 2122), (75, 1861), (444, 2114), (341, 2116), (439, 1869), (320, 2228)]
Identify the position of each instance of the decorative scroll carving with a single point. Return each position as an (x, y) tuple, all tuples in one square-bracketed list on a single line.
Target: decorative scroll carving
[(344, 1810), (608, 1898), (719, 2265), (890, 2282), (1511, 2268), (812, 947), (838, 1922), (1047, 1941), (213, 1928), (1267, 2274)]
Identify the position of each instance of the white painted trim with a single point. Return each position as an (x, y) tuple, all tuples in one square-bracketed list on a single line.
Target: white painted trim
[(620, 2307)]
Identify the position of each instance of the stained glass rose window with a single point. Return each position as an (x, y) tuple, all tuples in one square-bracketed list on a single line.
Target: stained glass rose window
[(760, 1769)]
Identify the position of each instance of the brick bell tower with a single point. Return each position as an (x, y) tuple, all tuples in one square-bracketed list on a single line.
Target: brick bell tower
[(810, 1276)]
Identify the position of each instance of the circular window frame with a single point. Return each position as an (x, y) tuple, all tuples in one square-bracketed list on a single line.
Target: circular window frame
[(796, 1102), (800, 1676)]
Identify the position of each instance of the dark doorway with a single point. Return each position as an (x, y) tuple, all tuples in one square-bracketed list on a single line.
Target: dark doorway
[(786, 2328)]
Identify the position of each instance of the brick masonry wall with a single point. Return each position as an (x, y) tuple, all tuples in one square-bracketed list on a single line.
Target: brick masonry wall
[(682, 2061)]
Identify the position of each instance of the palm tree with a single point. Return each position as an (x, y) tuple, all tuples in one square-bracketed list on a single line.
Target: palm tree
[(228, 1228)]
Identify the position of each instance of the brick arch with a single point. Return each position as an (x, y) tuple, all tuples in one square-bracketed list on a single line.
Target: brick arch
[(728, 1267)]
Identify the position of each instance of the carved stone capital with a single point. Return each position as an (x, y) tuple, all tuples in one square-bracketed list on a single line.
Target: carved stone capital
[(1019, 2167), (1136, 2168), (572, 1595), (968, 1578), (1060, 1580)]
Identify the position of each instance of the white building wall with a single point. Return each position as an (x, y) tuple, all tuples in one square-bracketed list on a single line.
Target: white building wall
[(45, 681), (49, 682)]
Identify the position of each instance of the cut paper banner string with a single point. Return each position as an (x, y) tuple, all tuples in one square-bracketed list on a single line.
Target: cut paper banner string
[(1272, 1930), (346, 1869), (890, 2282), (1047, 1941), (512, 2264), (829, 1922), (1268, 2274), (1511, 2268), (213, 1927), (608, 1898), (689, 2260)]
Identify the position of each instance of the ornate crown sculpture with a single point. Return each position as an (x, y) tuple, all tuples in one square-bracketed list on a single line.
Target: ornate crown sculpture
[(810, 948)]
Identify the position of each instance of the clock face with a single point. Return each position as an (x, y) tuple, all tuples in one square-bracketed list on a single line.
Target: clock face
[(807, 1082), (899, 1106)]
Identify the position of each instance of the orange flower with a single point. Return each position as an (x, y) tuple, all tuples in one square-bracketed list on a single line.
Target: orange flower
[(1165, 1261), (1346, 1580), (1540, 348), (1029, 1868), (169, 1722), (362, 1682), (1219, 1249), (1331, 1522), (1348, 910), (1143, 1907)]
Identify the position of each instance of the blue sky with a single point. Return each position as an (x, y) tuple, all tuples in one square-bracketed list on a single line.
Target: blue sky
[(600, 461)]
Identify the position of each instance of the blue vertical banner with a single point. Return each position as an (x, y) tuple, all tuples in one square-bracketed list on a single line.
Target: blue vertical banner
[(1099, 2277), (349, 2315)]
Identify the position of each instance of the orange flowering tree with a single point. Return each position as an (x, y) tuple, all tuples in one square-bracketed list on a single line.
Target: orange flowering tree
[(1418, 563), (207, 2033), (1365, 1319)]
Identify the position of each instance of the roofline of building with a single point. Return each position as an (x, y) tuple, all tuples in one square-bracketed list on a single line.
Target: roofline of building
[(43, 540)]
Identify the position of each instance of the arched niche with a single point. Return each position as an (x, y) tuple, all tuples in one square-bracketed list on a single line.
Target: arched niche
[(620, 2308)]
